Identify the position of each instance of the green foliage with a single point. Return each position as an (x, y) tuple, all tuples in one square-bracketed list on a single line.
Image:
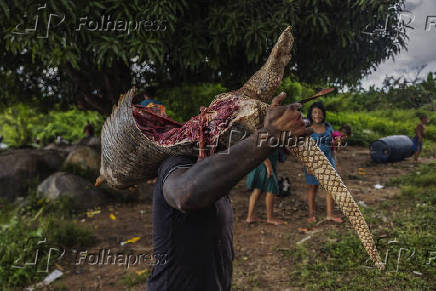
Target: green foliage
[(22, 226), (193, 42), (184, 102), (69, 124), (294, 90), (425, 176), (18, 124), (419, 95), (371, 125), (21, 124), (338, 260), (132, 279)]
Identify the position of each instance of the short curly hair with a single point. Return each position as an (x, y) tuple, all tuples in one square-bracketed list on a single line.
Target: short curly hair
[(347, 128), (421, 115), (318, 105)]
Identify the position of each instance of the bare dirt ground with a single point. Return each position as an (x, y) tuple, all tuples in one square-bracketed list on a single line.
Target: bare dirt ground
[(258, 259)]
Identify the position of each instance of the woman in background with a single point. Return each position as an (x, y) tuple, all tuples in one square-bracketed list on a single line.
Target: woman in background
[(264, 179)]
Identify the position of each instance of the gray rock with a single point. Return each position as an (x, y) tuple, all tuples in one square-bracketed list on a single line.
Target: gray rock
[(93, 141), (60, 148), (81, 191), (20, 169), (85, 158)]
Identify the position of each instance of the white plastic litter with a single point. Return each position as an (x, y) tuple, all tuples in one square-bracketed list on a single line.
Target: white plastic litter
[(47, 280), (304, 239), (50, 278), (378, 186)]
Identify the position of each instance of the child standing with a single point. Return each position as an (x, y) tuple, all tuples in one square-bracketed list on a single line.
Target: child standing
[(264, 179), (419, 136), (339, 138), (322, 134)]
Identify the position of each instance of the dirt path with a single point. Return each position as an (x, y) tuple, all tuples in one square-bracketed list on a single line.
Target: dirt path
[(258, 259)]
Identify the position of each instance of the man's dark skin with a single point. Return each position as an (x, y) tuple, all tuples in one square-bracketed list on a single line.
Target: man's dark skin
[(209, 179)]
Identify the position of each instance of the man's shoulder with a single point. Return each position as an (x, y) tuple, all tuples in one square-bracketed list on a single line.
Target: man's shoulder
[(175, 162), (180, 160)]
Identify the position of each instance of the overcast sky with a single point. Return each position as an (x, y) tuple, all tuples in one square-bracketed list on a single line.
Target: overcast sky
[(421, 47)]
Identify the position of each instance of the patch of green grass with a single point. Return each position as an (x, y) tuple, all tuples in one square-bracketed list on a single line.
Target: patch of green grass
[(428, 149), (369, 126), (254, 282), (405, 232), (132, 279), (424, 176), (27, 232)]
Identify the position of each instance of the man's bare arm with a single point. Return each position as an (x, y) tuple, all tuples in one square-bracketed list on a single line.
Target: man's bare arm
[(213, 177)]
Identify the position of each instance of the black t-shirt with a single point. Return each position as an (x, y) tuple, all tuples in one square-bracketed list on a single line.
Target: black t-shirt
[(197, 245)]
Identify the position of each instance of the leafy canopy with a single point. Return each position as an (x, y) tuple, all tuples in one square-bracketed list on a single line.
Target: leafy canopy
[(88, 52)]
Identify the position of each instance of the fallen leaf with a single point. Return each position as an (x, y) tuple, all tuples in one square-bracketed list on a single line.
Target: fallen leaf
[(139, 273), (304, 239), (92, 213), (303, 229), (134, 239), (113, 217)]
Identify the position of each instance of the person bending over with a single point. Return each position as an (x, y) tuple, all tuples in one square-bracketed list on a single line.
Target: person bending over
[(263, 179)]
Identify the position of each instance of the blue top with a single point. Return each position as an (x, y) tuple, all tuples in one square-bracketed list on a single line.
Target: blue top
[(148, 101), (324, 142)]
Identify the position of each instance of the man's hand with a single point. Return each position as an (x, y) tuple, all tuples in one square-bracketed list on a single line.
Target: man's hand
[(213, 177), (285, 118)]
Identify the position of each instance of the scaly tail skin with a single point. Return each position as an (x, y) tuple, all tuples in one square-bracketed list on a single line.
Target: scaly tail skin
[(264, 82), (315, 160)]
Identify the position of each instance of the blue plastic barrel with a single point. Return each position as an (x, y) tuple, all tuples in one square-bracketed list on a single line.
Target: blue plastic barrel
[(391, 149)]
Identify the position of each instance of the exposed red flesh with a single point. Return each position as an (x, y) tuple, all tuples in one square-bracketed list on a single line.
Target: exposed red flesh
[(202, 128)]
